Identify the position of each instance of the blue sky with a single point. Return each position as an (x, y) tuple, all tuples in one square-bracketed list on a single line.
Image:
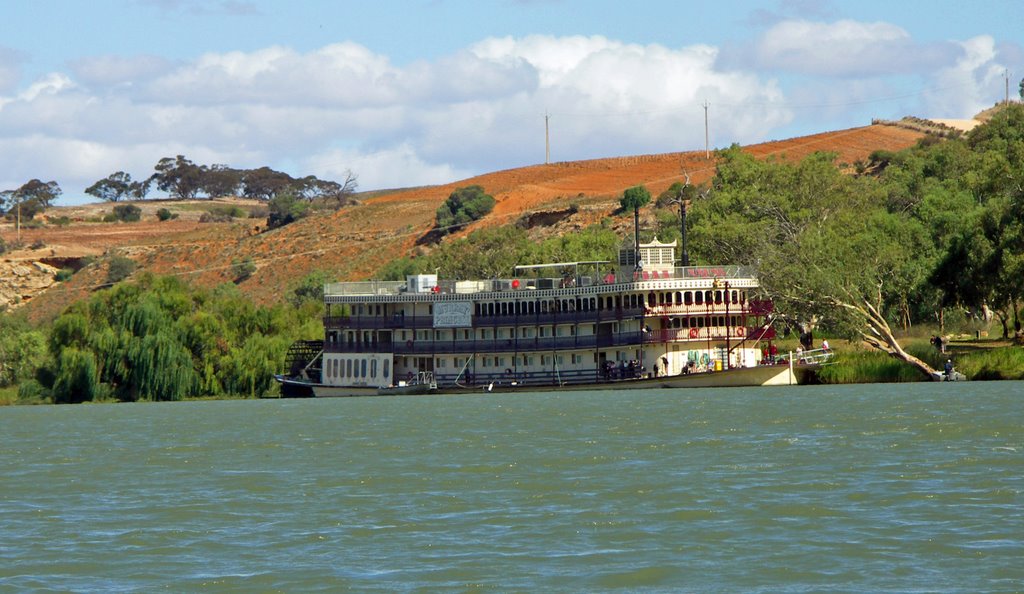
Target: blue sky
[(422, 92)]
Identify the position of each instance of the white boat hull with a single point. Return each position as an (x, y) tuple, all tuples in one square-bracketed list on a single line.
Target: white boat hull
[(764, 375)]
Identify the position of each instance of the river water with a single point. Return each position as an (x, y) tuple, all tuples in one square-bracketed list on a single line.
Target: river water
[(873, 488)]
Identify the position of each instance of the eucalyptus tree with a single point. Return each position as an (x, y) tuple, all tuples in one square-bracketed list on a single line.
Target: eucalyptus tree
[(826, 247), (635, 198)]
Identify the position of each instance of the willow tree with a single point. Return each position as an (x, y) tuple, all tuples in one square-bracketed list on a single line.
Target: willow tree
[(76, 379)]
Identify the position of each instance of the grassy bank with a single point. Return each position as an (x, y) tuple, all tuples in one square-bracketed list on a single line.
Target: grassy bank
[(8, 395), (978, 360)]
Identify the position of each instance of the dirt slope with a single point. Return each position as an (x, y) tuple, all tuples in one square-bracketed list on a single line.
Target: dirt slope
[(356, 241)]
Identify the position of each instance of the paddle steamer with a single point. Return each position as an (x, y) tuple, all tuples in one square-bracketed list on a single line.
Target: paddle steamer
[(635, 323)]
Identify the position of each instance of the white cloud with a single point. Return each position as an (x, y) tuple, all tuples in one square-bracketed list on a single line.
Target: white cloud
[(99, 71), (966, 87), (476, 110), (377, 169), (10, 68), (842, 48)]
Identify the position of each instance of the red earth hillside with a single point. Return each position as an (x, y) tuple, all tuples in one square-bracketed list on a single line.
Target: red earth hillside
[(353, 243)]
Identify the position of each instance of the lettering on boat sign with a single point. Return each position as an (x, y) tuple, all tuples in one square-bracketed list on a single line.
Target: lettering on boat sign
[(453, 314), (711, 271)]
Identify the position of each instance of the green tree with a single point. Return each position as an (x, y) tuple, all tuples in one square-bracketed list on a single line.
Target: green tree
[(221, 180), (462, 207), (22, 350), (118, 186), (805, 226), (179, 177), (325, 192), (310, 289), (119, 268), (243, 268), (32, 198), (76, 379), (635, 198), (265, 183), (127, 213), (285, 208)]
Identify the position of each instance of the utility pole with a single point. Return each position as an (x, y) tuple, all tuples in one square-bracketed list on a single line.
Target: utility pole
[(547, 140), (707, 154)]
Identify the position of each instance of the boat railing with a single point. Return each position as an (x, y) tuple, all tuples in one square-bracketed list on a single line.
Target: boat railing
[(811, 357), (525, 283), (501, 345), (715, 333)]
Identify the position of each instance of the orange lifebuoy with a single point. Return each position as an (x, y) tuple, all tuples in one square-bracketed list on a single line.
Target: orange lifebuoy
[(694, 332), (740, 331)]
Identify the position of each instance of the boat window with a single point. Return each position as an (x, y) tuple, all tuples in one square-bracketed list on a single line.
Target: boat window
[(362, 368), (373, 368), (718, 297), (387, 368), (735, 296), (348, 368)]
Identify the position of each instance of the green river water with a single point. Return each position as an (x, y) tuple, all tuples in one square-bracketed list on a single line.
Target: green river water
[(869, 488)]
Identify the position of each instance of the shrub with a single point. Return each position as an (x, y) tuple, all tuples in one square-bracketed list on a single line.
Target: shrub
[(462, 207), (127, 213), (285, 208), (243, 268), (210, 217), (119, 269), (38, 244), (109, 218), (165, 215), (3, 245), (60, 221), (228, 212), (31, 391), (63, 274)]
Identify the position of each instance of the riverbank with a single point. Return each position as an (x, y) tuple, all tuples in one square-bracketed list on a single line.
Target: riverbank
[(979, 360)]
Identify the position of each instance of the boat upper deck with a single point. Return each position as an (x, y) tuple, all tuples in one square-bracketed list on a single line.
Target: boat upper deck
[(415, 289)]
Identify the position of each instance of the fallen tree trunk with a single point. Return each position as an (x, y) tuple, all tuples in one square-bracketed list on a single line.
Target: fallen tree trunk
[(877, 333)]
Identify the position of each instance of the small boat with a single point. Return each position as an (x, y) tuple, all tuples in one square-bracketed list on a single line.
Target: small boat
[(423, 383)]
